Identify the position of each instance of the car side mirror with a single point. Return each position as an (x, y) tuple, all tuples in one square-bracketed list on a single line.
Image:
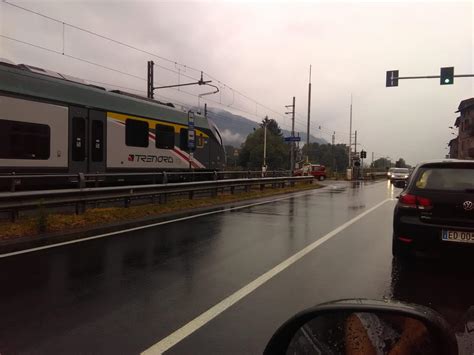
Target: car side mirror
[(364, 327)]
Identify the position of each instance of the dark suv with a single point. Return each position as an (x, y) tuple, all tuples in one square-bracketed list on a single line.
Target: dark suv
[(435, 211)]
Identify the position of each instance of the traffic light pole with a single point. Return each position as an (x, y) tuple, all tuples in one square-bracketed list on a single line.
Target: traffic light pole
[(446, 77)]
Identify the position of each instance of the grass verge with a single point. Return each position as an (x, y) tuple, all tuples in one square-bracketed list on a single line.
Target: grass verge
[(45, 223)]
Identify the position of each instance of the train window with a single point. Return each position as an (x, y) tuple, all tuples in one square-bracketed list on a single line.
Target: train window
[(97, 137), (24, 140), (78, 139), (136, 133), (183, 139), (164, 136)]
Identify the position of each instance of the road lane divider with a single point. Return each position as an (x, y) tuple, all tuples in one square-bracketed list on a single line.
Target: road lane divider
[(201, 320), (55, 245)]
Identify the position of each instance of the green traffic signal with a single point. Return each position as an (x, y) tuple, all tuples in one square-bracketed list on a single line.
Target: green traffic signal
[(446, 76)]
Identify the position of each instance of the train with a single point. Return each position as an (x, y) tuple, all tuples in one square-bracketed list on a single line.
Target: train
[(53, 123)]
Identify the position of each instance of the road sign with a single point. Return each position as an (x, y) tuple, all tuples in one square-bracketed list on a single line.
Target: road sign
[(391, 78), (191, 131), (446, 76), (292, 139)]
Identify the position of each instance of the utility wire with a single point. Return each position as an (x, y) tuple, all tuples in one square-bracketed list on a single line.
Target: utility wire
[(139, 50), (108, 39)]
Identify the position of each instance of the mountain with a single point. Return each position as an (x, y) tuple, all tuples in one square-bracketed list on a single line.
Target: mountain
[(235, 129)]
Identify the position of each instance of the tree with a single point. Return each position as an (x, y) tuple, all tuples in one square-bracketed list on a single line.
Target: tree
[(332, 156), (251, 154), (400, 163), (231, 159), (382, 163), (272, 126)]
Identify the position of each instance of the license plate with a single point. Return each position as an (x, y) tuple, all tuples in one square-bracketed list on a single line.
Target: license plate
[(457, 236)]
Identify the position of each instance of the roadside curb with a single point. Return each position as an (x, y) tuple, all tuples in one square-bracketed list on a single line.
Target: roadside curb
[(28, 242)]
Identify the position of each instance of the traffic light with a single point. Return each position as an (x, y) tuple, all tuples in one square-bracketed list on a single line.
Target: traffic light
[(363, 154), (392, 78), (446, 76)]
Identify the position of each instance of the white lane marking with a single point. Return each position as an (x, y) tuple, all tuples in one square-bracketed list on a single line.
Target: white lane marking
[(201, 320), (154, 224)]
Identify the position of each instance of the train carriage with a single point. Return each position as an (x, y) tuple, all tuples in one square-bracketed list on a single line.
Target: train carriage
[(54, 123)]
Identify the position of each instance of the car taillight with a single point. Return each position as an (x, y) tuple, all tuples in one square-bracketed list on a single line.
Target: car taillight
[(413, 201), (424, 203), (407, 200)]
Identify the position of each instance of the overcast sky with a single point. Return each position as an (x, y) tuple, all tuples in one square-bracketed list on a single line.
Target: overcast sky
[(264, 49)]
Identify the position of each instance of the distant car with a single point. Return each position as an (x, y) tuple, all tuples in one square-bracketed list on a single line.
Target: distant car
[(318, 171), (399, 174), (435, 212)]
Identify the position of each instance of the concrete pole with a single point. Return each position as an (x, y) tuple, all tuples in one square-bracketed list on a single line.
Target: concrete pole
[(309, 106), (292, 158)]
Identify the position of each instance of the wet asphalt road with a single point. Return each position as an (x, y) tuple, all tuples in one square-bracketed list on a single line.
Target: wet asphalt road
[(122, 294)]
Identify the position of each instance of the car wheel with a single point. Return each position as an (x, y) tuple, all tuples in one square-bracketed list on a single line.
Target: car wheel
[(400, 250), (321, 178)]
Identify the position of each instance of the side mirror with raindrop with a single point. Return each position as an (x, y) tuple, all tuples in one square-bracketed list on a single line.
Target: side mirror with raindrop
[(364, 327)]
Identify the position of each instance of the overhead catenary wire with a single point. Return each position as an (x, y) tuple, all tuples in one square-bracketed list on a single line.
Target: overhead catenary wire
[(176, 64), (123, 73)]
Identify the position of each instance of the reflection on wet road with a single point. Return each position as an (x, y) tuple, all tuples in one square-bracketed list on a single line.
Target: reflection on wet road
[(125, 293)]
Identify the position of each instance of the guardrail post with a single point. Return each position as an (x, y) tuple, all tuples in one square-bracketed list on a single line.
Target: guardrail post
[(215, 176), (163, 198), (14, 215), (12, 184), (165, 177), (128, 199), (81, 180), (248, 174), (80, 207)]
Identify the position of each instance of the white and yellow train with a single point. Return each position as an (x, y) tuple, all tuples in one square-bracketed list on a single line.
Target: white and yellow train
[(54, 123)]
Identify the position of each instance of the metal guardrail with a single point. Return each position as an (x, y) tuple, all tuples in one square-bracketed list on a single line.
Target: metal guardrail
[(81, 180), (14, 202)]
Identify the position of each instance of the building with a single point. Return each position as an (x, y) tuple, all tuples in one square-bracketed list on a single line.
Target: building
[(453, 148), (462, 147)]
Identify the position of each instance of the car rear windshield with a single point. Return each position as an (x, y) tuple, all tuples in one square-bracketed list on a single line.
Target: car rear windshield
[(445, 179)]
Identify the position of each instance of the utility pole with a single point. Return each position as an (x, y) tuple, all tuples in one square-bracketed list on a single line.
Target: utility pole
[(350, 137), (309, 106), (292, 143), (372, 164), (264, 166), (334, 138), (355, 142), (355, 153), (150, 79)]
